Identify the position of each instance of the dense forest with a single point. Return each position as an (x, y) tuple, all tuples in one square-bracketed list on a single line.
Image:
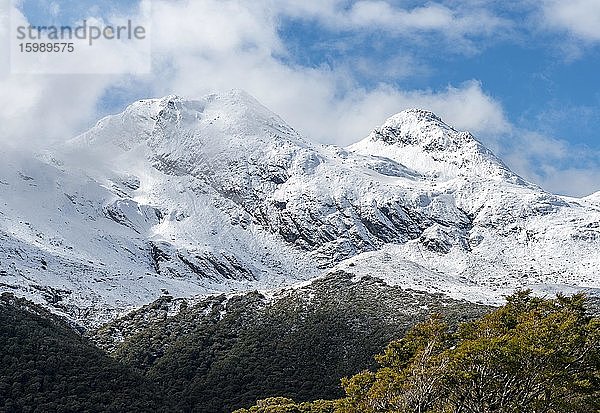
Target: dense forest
[(226, 352), (46, 366), (215, 355), (309, 350), (532, 355)]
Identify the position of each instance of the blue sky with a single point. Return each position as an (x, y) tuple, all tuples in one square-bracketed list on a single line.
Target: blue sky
[(44, 12), (523, 76), (539, 84)]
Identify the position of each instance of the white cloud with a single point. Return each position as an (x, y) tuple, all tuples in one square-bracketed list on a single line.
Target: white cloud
[(201, 47), (571, 181), (581, 18), (41, 108), (205, 46), (213, 27), (384, 16), (554, 164), (324, 104)]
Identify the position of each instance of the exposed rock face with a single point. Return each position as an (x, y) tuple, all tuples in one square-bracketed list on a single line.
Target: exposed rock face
[(221, 195)]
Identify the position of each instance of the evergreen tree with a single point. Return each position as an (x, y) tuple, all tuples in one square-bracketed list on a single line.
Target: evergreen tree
[(532, 355)]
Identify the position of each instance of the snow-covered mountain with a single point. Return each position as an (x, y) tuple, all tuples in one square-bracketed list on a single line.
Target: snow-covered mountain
[(593, 198), (221, 195)]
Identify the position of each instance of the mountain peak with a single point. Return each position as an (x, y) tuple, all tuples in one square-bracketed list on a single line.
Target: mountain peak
[(414, 115), (172, 119), (219, 195), (418, 127), (235, 102), (422, 141)]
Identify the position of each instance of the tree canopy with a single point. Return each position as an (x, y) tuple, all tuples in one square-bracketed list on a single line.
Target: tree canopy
[(45, 366), (531, 355)]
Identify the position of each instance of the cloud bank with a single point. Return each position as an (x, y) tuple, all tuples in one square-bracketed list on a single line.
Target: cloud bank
[(581, 18), (209, 46)]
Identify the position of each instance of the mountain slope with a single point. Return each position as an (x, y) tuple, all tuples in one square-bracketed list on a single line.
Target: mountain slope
[(46, 366), (219, 195), (518, 235), (423, 142), (225, 352)]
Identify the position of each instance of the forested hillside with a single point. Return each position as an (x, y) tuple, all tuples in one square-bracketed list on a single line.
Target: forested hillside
[(531, 355), (46, 366), (316, 342), (226, 352)]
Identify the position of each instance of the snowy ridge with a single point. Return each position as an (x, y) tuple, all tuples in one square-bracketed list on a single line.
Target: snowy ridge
[(422, 141), (219, 194), (594, 199)]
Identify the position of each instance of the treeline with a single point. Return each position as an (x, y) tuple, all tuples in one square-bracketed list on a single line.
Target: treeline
[(532, 355), (213, 356), (221, 356)]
